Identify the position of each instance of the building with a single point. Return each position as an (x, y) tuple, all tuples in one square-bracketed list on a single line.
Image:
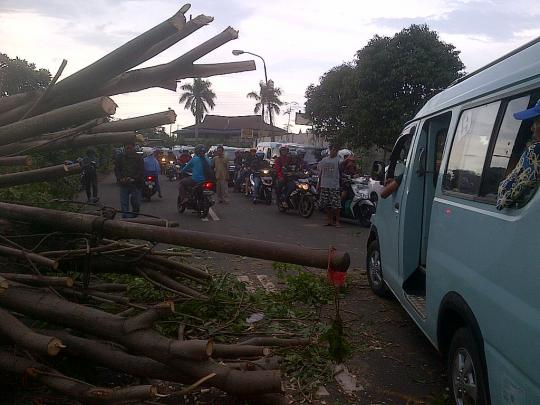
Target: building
[(241, 130)]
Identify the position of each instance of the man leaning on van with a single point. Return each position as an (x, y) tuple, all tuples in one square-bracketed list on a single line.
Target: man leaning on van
[(522, 181)]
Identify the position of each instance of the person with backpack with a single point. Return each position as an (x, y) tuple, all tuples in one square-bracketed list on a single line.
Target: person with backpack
[(89, 176), (201, 170)]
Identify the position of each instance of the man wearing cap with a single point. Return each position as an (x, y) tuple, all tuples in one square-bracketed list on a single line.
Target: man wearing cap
[(525, 176)]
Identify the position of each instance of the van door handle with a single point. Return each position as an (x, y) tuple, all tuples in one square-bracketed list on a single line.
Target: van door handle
[(396, 206)]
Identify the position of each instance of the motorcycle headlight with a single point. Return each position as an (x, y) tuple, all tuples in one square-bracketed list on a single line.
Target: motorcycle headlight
[(266, 171), (303, 186), (163, 159), (171, 161)]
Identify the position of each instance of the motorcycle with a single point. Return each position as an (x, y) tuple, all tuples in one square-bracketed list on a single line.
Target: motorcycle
[(172, 170), (265, 188), (149, 188), (240, 179), (302, 198), (199, 199), (357, 205)]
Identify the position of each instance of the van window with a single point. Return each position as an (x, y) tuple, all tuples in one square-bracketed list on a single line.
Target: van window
[(469, 149), (508, 147)]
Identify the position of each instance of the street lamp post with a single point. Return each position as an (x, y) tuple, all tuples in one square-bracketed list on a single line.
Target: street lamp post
[(237, 52)]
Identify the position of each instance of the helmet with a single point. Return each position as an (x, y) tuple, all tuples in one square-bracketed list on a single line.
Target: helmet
[(283, 149), (200, 149), (345, 153), (259, 155)]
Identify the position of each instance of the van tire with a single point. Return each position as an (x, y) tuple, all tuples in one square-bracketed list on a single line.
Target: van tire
[(466, 370), (374, 270)]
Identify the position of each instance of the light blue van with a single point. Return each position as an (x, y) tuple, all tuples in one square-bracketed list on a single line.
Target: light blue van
[(467, 273)]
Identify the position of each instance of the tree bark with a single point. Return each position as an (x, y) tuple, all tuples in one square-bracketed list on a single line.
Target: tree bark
[(74, 388), (180, 267), (75, 141), (136, 123), (37, 280), (165, 223), (38, 175), (16, 161), (165, 75), (13, 101), (23, 254), (173, 284), (26, 338), (282, 252), (57, 119)]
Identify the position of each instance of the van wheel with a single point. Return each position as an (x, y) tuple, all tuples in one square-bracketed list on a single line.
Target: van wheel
[(465, 370), (374, 270)]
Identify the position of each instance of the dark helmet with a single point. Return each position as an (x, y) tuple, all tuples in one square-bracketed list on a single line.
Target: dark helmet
[(200, 150), (259, 155), (283, 150)]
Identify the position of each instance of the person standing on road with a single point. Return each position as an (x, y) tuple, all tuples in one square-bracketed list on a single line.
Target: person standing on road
[(89, 176), (153, 168), (131, 172), (221, 169), (329, 186)]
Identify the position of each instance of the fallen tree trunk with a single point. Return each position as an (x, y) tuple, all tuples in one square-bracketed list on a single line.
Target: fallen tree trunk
[(23, 254), (57, 119), (165, 223), (165, 75), (36, 280), (15, 100), (24, 337), (173, 284), (282, 252), (16, 161), (39, 175), (82, 84), (178, 266), (74, 141), (74, 388), (136, 123), (48, 307)]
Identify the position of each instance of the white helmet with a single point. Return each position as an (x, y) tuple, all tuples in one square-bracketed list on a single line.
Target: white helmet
[(345, 153)]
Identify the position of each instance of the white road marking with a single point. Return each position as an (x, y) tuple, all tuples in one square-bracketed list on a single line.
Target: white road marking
[(213, 214), (204, 219)]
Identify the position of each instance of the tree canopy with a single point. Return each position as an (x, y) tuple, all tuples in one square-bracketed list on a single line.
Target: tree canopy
[(198, 97), (267, 100), (366, 102), (18, 76)]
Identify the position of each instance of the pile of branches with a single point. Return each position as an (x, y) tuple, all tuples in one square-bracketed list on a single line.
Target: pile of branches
[(74, 112)]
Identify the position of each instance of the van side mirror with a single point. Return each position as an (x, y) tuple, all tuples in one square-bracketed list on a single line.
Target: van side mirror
[(377, 171)]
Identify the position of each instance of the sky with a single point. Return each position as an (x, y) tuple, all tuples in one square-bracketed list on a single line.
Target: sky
[(299, 39)]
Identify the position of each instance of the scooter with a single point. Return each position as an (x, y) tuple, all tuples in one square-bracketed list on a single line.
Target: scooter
[(199, 199), (172, 170), (265, 189), (149, 188), (302, 198), (357, 206)]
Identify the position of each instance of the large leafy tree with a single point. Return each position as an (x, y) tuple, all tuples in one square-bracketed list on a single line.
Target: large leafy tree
[(267, 100), (17, 76), (392, 77), (198, 97)]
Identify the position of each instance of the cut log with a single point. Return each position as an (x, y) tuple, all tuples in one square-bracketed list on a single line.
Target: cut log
[(51, 308), (79, 129), (13, 101), (37, 280), (146, 319), (173, 284), (222, 351), (108, 287), (75, 141), (180, 267), (80, 390), (136, 123), (39, 175), (57, 119), (29, 256), (24, 337), (16, 161), (75, 222), (165, 223), (215, 69), (48, 307), (274, 341)]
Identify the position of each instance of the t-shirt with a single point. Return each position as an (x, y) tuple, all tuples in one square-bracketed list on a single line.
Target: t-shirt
[(195, 166), (329, 172)]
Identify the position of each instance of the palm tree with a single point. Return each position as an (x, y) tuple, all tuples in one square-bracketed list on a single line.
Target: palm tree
[(198, 97), (267, 100)]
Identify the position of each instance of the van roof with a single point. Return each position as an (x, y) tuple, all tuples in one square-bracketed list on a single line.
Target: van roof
[(520, 65)]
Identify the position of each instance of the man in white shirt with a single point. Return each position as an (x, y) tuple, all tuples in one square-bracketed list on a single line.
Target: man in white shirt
[(330, 198)]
